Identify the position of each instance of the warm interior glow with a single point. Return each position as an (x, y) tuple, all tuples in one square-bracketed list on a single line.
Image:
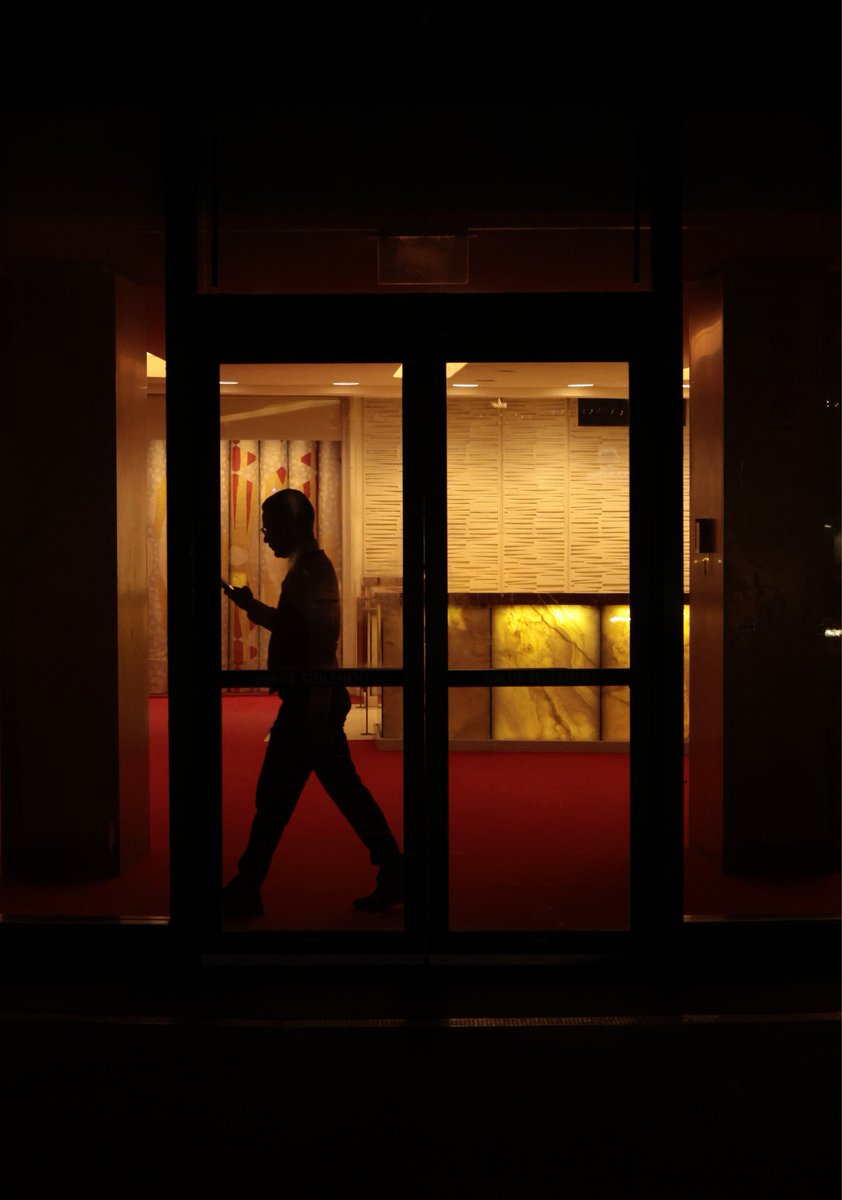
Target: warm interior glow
[(156, 368), (451, 369)]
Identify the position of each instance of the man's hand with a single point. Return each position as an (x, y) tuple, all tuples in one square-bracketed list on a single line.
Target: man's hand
[(242, 596)]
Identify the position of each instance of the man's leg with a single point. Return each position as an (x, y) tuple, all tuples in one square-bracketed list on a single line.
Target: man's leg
[(335, 770), (282, 778)]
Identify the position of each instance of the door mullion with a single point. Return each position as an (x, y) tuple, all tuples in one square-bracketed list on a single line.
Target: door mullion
[(656, 655), (430, 391), (416, 830)]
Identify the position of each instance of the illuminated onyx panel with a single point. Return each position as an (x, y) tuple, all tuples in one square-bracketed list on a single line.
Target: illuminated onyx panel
[(616, 632), (564, 635), (469, 648)]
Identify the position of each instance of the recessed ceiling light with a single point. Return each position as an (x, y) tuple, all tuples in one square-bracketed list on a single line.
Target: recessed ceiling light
[(464, 385), (229, 382), (347, 383), (578, 385), (686, 385)]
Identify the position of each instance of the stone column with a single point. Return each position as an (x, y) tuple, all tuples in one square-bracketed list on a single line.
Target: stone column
[(74, 688), (764, 588)]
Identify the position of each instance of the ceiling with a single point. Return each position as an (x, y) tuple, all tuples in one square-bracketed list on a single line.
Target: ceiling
[(240, 383)]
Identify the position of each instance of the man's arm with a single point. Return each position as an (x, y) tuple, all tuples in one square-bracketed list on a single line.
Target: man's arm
[(319, 606), (256, 611)]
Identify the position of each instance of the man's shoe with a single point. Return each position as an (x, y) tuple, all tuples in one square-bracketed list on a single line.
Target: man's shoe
[(389, 891), (241, 899)]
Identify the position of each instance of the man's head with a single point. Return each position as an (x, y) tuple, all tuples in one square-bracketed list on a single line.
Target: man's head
[(288, 518)]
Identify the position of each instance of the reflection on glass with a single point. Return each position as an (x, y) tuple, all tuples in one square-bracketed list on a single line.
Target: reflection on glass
[(539, 829)]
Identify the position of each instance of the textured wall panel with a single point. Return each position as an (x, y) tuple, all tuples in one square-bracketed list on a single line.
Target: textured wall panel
[(598, 500), (474, 508), (382, 488), (534, 494)]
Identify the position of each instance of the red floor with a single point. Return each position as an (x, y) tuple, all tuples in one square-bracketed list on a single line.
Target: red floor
[(537, 841)]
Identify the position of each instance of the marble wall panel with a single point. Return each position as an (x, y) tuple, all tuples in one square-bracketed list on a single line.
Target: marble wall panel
[(558, 635), (391, 655), (391, 712), (469, 649), (469, 714), (616, 635), (616, 714), (535, 714), (391, 630), (616, 652), (562, 635), (468, 637)]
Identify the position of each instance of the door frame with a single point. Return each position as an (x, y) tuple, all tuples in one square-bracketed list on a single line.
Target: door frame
[(423, 332)]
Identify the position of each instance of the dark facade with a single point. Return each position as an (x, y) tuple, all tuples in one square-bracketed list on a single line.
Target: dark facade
[(629, 204)]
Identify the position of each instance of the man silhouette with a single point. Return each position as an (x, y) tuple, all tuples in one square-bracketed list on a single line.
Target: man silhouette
[(307, 735)]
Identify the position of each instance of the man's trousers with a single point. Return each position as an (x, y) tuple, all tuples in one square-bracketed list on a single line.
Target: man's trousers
[(287, 767)]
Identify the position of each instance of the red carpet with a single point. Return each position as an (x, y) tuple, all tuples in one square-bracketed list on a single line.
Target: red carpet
[(538, 841)]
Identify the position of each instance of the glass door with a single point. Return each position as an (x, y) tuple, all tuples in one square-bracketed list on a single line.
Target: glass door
[(538, 646), (311, 567), (492, 535)]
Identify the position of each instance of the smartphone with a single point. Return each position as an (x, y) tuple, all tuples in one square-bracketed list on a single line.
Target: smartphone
[(226, 586)]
